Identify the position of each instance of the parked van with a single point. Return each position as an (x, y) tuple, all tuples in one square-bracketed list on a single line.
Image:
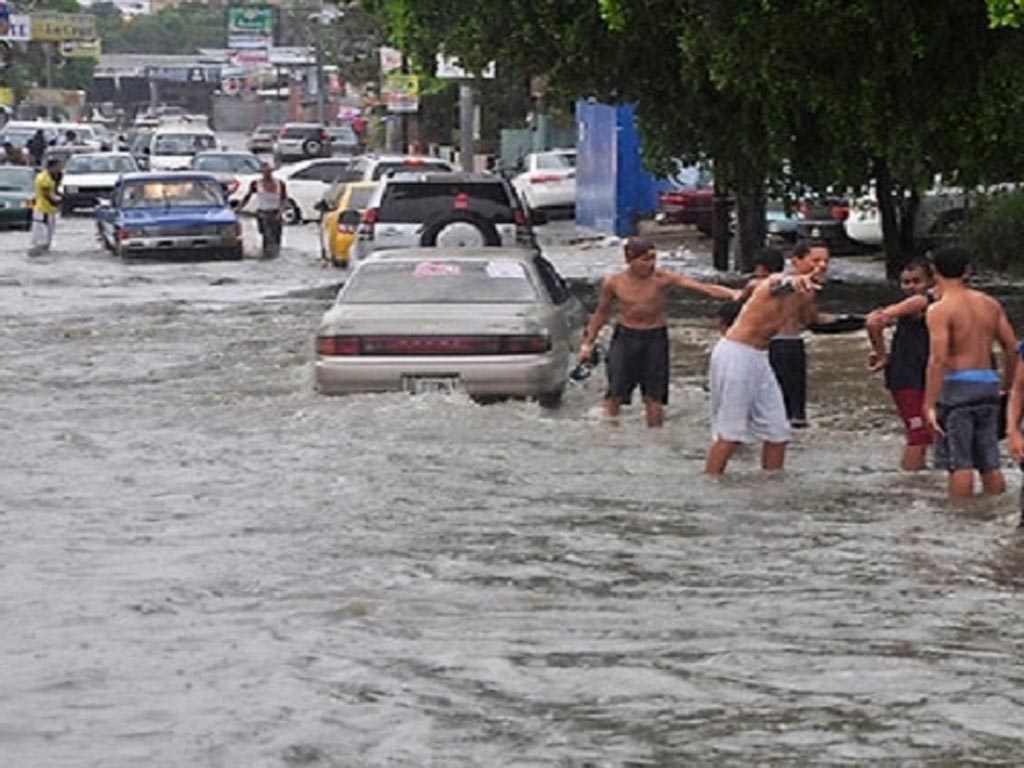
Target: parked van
[(172, 147)]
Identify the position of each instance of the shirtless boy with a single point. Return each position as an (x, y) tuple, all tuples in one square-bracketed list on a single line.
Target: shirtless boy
[(961, 398), (746, 400), (1014, 425), (905, 362), (638, 354)]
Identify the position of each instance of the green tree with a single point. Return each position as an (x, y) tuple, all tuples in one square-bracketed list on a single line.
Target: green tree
[(182, 29), (1005, 13), (802, 93)]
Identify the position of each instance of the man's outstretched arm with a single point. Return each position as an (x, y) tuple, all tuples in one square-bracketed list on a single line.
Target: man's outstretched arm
[(713, 290)]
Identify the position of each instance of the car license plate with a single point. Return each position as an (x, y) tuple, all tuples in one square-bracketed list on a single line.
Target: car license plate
[(436, 385)]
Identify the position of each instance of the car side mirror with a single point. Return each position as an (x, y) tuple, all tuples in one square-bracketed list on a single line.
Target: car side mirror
[(234, 203), (538, 217), (321, 205)]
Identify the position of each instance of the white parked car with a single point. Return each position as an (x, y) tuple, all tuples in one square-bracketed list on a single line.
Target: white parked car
[(307, 182), (940, 213), (90, 177), (548, 180), (234, 170), (172, 147), (375, 167), (85, 136)]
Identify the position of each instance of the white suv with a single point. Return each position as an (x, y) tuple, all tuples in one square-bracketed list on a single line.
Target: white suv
[(443, 209), (374, 167)]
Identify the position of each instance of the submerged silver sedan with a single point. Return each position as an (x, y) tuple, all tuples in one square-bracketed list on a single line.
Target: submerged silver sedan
[(492, 322)]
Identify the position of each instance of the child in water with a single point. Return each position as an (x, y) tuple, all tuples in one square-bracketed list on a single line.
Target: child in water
[(905, 361)]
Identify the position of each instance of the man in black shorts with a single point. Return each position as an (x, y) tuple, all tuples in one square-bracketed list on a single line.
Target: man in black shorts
[(639, 350)]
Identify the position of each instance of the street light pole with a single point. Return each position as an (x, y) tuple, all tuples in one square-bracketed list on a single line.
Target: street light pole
[(466, 124), (321, 101)]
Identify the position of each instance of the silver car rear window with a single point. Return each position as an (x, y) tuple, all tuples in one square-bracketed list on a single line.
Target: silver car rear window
[(501, 281)]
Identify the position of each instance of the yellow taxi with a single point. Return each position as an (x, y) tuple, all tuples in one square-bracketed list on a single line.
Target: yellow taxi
[(338, 228)]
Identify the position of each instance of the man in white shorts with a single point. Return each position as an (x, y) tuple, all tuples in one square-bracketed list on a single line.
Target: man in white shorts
[(746, 401)]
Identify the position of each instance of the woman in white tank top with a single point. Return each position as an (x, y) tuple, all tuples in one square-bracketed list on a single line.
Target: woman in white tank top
[(270, 201)]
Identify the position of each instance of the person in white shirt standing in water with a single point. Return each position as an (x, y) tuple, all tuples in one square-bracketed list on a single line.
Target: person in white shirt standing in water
[(271, 197)]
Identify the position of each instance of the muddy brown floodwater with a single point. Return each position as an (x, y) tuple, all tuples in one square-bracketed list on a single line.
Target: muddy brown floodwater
[(204, 563)]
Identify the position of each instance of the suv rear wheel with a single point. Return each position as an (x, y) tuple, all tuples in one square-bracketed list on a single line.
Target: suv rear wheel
[(312, 147), (460, 229)]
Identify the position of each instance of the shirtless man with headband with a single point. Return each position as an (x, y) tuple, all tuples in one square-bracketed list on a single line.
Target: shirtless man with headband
[(639, 350)]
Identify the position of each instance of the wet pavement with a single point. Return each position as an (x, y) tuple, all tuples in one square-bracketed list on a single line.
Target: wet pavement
[(204, 563)]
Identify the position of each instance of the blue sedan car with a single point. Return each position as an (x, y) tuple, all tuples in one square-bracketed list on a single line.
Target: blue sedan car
[(169, 215)]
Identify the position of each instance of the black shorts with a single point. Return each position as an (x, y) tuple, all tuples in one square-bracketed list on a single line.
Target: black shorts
[(638, 357)]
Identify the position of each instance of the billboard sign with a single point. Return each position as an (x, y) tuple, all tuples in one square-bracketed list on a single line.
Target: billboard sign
[(57, 27), (390, 59), (80, 49), (251, 26), (402, 93), (18, 28), (448, 67)]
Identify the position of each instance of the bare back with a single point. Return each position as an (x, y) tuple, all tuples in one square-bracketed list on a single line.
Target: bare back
[(971, 322)]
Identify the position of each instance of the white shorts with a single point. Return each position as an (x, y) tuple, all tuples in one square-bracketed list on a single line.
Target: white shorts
[(43, 228), (746, 401)]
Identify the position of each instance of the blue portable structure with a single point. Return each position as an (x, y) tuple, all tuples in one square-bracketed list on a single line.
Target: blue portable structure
[(613, 191)]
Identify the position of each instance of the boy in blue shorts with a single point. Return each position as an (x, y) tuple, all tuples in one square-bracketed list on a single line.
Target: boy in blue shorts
[(962, 391), (1014, 415)]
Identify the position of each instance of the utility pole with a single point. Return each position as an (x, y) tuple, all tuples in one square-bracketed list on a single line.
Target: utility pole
[(466, 149), (321, 99), (48, 58)]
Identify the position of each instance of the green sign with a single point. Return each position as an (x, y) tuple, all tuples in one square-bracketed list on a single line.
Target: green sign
[(251, 26)]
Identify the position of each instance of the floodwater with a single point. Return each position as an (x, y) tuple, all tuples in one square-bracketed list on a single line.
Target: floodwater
[(204, 563)]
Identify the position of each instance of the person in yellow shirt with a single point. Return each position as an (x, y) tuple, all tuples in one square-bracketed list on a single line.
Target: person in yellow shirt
[(44, 208)]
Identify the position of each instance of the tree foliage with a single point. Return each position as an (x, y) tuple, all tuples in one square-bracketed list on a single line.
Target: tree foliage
[(801, 94), (1005, 13), (182, 29)]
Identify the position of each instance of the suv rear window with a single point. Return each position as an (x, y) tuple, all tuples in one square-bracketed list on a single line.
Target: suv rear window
[(409, 203), (383, 169), (300, 131)]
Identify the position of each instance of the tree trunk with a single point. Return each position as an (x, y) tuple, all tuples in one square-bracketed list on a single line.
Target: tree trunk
[(720, 229), (750, 212), (908, 218), (891, 239)]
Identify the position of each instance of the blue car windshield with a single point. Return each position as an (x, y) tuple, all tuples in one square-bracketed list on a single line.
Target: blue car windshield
[(172, 194)]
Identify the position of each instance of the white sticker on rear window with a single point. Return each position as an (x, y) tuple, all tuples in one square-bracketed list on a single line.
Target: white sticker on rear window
[(504, 269), (434, 269)]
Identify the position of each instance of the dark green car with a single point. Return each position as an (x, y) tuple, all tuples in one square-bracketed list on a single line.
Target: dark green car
[(16, 193)]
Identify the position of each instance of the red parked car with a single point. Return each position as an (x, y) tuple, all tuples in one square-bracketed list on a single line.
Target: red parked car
[(689, 201)]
